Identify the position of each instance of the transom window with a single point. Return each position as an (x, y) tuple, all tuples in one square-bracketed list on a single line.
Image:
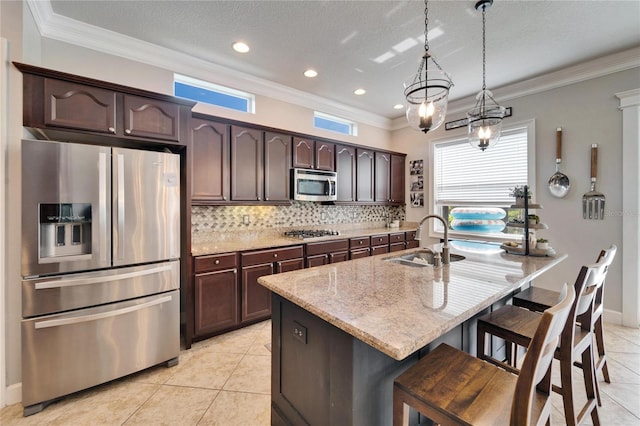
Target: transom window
[(334, 124), (213, 94)]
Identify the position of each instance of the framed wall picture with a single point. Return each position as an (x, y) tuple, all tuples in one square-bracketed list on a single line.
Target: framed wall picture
[(416, 167), (417, 199)]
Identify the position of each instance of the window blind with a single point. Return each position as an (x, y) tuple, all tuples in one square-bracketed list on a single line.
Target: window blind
[(465, 176)]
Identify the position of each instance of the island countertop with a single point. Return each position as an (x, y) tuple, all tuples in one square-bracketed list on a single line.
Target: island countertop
[(398, 309)]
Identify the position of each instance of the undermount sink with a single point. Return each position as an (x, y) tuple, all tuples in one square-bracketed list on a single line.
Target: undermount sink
[(420, 258)]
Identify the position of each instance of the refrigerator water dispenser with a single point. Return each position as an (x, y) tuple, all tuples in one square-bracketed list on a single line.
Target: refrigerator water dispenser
[(65, 230)]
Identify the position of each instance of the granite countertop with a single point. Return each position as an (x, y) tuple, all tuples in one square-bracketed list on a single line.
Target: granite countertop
[(206, 243), (398, 309)]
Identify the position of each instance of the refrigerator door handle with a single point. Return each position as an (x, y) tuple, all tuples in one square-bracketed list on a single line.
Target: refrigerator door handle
[(102, 206), (121, 202), (102, 315), (101, 279)]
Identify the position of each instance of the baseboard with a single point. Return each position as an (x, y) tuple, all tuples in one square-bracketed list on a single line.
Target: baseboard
[(14, 394), (612, 317)]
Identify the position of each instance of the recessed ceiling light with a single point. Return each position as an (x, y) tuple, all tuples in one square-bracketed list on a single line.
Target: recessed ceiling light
[(359, 92), (398, 106), (240, 47), (311, 73)]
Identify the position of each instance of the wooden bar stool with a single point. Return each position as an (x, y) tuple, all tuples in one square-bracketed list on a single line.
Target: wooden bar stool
[(452, 387), (517, 325), (539, 299)]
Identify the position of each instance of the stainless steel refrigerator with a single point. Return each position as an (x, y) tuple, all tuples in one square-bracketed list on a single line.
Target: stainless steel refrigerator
[(100, 265)]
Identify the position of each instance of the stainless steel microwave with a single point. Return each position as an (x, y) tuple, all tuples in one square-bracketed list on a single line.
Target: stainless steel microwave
[(313, 185)]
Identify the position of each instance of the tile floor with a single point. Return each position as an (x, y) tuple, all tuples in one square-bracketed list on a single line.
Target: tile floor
[(226, 381)]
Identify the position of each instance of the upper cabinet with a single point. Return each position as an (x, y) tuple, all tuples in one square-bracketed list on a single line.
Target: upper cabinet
[(389, 178), (346, 170), (247, 166), (60, 102), (364, 180), (209, 142), (309, 154), (277, 167), (397, 179)]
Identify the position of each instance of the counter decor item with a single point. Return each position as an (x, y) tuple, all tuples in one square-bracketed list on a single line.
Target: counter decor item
[(559, 182), (542, 244), (519, 193), (529, 223), (478, 219), (593, 201)]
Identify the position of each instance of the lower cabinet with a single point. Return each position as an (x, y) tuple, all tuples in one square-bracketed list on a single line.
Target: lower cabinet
[(410, 240), (379, 244), (216, 293), (396, 241), (325, 252), (256, 300)]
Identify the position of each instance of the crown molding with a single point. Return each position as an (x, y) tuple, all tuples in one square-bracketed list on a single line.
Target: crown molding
[(57, 27), (599, 67)]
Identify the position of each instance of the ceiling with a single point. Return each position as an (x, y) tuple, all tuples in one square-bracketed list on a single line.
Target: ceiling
[(345, 40)]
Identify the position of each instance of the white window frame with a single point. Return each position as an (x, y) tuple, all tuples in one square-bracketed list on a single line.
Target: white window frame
[(435, 227), (196, 82), (353, 126)]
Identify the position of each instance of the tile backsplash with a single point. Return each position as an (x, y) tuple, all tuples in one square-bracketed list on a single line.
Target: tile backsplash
[(298, 214)]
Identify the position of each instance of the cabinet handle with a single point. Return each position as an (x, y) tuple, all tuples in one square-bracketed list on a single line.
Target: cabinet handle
[(224, 198), (217, 262), (127, 131), (259, 198), (266, 198), (111, 130), (360, 243), (275, 255)]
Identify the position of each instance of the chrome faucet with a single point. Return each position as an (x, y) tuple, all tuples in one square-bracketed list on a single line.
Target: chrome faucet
[(445, 247)]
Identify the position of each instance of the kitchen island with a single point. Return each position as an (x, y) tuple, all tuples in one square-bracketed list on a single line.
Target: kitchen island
[(343, 332)]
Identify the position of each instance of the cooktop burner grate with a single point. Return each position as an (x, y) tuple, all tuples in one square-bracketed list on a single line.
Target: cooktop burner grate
[(310, 233)]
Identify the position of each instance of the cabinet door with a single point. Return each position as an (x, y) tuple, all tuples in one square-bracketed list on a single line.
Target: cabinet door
[(382, 173), (289, 265), (396, 247), (256, 299), (364, 181), (317, 260), (338, 257), (209, 142), (216, 301), (379, 250), (151, 118), (324, 154), (277, 167), (346, 169), (360, 253), (397, 179), (303, 150), (246, 164), (80, 107)]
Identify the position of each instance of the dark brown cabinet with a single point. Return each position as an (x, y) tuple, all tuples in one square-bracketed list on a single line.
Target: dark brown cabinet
[(309, 154), (379, 244), (346, 170), (216, 294), (325, 252), (382, 180), (359, 247), (396, 241), (60, 101), (256, 299), (277, 167), (209, 142), (364, 180), (151, 118), (410, 240), (397, 177), (246, 164)]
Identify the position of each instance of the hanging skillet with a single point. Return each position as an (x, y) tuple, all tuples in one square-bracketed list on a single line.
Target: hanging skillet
[(559, 182)]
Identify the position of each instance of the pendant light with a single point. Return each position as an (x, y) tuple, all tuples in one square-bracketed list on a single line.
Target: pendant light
[(427, 92), (485, 119)]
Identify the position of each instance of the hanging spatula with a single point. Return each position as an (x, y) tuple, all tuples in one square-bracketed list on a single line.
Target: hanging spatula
[(593, 201)]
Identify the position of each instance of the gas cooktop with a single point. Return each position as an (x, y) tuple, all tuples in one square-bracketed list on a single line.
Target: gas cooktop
[(310, 233)]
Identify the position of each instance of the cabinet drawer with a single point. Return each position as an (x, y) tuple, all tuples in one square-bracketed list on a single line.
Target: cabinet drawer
[(215, 262), (410, 236), (379, 250), (268, 256), (378, 240), (396, 247), (327, 247), (412, 244), (359, 242), (396, 238), (359, 253)]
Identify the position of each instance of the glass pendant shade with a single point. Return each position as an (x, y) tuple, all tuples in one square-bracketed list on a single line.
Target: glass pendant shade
[(485, 122), (427, 94)]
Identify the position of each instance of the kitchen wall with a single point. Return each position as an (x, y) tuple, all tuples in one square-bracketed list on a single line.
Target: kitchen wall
[(298, 214), (588, 113)]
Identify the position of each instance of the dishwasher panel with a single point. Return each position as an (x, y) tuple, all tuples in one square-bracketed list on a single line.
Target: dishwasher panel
[(68, 352)]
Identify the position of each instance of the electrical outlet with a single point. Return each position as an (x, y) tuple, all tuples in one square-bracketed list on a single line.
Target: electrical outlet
[(323, 216), (300, 332), (245, 219)]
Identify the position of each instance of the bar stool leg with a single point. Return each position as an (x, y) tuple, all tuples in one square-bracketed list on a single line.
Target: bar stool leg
[(601, 354), (400, 411), (566, 390), (590, 383)]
